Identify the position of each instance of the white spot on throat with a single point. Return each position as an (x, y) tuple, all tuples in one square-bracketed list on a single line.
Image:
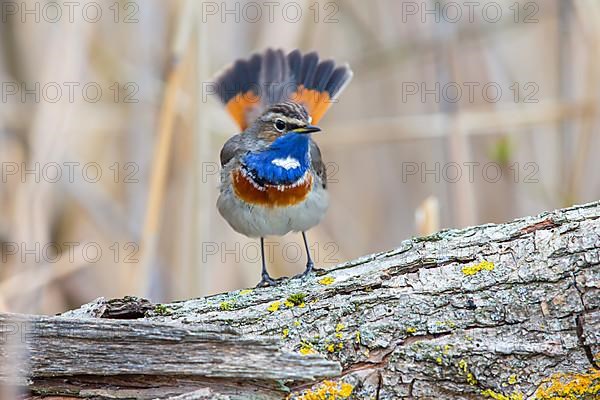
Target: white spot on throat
[(286, 163)]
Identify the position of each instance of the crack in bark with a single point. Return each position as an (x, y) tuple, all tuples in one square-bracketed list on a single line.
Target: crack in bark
[(579, 321), (548, 223), (411, 386), (379, 384), (370, 363), (579, 324)]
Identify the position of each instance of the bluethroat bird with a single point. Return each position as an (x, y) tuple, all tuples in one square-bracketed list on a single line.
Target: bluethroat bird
[(273, 179)]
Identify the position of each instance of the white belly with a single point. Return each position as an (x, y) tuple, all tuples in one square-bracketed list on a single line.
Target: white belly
[(259, 221)]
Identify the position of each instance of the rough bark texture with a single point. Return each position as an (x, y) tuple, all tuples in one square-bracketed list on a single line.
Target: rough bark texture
[(492, 311)]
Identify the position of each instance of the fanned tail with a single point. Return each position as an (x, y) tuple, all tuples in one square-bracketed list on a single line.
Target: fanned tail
[(249, 86)]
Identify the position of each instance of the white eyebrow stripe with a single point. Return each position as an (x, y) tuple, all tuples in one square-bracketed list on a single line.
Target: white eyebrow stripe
[(286, 119), (286, 163)]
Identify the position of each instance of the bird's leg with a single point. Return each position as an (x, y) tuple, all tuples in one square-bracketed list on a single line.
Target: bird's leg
[(310, 265), (309, 262), (266, 279)]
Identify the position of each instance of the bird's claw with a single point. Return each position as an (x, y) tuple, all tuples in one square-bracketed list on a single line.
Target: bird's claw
[(309, 269), (267, 281)]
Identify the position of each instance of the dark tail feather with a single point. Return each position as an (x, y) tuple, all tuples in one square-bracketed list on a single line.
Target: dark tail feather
[(309, 67), (275, 80), (240, 78), (295, 62), (318, 83), (338, 81)]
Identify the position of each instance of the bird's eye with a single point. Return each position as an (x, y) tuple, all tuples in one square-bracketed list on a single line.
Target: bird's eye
[(280, 125)]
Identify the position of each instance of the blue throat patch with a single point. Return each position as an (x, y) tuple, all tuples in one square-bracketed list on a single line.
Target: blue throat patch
[(293, 147)]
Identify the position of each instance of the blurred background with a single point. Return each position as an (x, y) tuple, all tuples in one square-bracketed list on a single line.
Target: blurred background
[(460, 113)]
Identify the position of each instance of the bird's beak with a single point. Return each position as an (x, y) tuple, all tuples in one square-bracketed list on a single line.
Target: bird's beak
[(307, 129)]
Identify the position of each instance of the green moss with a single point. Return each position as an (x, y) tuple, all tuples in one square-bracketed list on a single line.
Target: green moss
[(161, 309), (296, 299), (436, 237)]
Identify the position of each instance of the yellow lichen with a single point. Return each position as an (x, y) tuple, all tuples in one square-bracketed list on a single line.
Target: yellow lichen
[(331, 347), (464, 369), (339, 327), (245, 292), (570, 386), (328, 280), (306, 349), (340, 345), (357, 337), (339, 335), (226, 306), (274, 306), (474, 269), (411, 330), (512, 379), (471, 379), (326, 390), (289, 304), (285, 332), (296, 323), (346, 390), (499, 396), (439, 360)]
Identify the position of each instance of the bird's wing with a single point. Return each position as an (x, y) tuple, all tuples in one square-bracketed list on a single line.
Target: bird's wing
[(232, 148), (317, 163)]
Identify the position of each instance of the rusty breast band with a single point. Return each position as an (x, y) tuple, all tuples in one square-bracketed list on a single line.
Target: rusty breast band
[(267, 195)]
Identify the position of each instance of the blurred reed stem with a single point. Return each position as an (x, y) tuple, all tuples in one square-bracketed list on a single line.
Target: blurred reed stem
[(144, 278)]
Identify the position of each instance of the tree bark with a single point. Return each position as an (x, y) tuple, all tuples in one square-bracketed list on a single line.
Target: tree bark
[(493, 311)]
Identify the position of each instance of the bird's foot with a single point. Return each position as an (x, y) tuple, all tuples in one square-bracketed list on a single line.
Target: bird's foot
[(267, 281), (309, 269)]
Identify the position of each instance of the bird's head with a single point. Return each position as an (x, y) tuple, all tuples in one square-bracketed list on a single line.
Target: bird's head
[(281, 119)]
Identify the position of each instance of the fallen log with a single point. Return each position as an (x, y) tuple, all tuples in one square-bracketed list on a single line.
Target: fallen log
[(508, 311)]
